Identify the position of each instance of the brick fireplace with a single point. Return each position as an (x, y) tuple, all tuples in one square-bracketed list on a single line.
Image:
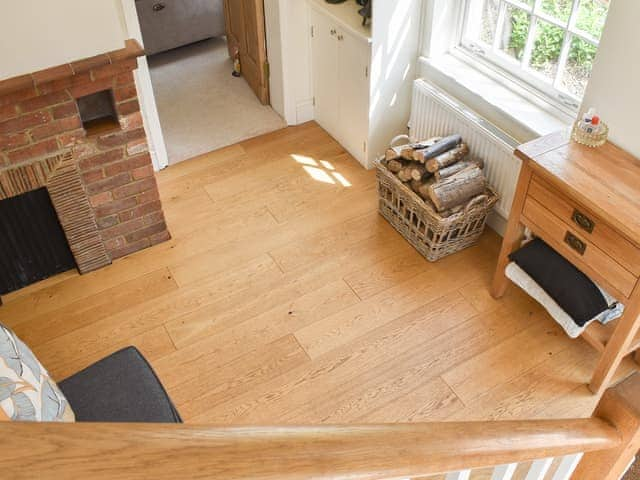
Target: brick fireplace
[(77, 130)]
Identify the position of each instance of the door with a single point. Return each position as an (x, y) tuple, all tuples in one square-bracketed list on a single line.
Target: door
[(324, 47), (353, 94), (244, 20)]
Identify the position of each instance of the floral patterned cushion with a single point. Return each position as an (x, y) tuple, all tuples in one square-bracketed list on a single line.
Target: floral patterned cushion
[(27, 393)]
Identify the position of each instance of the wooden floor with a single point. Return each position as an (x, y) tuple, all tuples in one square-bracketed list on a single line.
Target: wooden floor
[(284, 297)]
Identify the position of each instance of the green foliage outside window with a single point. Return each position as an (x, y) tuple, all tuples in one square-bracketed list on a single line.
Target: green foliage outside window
[(549, 38)]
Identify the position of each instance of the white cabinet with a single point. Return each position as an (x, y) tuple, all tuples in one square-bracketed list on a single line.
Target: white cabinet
[(353, 96), (340, 69), (363, 76), (324, 61)]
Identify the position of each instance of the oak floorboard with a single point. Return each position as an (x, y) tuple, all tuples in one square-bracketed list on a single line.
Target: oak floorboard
[(430, 402), (271, 237), (206, 324), (153, 344), (506, 360), (244, 336), (147, 315), (389, 304), (234, 378), (414, 348), (370, 281), (283, 297), (89, 310), (202, 163)]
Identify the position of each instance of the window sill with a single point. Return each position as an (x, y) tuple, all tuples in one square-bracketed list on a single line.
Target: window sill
[(511, 108)]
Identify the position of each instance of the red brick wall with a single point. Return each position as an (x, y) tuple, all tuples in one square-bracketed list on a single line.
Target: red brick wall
[(39, 117)]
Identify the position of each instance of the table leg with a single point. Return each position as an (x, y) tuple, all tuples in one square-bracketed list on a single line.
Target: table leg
[(618, 346), (513, 234)]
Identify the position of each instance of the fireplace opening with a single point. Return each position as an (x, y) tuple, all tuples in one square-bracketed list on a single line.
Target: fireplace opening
[(33, 245), (98, 112)]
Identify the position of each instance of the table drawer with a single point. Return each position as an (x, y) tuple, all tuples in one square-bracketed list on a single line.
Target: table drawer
[(575, 247), (590, 227)]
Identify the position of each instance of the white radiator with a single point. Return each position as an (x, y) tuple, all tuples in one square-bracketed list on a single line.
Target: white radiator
[(434, 114)]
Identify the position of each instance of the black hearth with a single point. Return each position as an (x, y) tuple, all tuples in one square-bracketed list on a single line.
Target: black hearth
[(33, 245)]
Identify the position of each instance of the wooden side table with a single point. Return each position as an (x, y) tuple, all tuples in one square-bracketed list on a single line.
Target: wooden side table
[(585, 203)]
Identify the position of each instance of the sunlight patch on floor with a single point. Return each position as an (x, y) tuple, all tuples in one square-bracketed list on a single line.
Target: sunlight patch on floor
[(323, 171)]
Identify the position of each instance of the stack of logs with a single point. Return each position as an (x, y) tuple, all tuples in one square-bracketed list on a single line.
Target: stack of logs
[(439, 172)]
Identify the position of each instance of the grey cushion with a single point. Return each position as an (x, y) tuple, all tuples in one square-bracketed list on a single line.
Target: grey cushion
[(179, 22), (119, 388)]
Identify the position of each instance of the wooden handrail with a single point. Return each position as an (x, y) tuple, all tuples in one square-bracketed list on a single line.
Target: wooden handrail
[(164, 451), (619, 406)]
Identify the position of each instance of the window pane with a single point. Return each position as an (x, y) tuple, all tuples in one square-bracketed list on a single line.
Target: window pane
[(560, 9), (490, 11), (515, 32), (546, 49), (591, 16), (579, 65)]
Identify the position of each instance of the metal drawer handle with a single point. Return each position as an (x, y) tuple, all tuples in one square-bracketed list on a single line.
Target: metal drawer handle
[(575, 243), (158, 6), (583, 221)]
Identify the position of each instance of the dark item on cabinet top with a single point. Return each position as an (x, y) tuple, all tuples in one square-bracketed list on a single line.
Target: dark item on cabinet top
[(366, 10)]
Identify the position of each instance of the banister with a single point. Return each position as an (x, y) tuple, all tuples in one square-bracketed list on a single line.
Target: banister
[(165, 451), (620, 406)]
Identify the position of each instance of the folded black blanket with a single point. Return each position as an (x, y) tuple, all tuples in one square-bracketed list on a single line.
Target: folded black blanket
[(571, 289)]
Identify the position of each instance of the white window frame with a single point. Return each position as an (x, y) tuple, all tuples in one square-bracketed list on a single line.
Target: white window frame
[(519, 70)]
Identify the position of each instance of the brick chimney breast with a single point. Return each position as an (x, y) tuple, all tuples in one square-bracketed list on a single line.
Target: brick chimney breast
[(98, 171)]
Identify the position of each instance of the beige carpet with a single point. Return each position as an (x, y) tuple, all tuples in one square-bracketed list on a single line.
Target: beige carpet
[(201, 106)]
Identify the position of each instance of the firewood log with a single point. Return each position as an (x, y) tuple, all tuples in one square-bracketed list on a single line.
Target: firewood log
[(418, 171), (394, 166), (406, 151), (451, 211), (444, 145), (457, 167), (423, 191), (457, 189), (447, 158), (415, 185), (421, 187), (405, 173)]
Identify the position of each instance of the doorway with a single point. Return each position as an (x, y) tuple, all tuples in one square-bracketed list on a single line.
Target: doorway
[(191, 50)]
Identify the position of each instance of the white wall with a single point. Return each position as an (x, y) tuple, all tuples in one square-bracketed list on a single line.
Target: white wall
[(395, 49), (296, 56), (36, 34), (614, 88), (439, 38)]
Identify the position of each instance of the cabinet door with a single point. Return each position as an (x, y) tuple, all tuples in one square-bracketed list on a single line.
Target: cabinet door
[(353, 105), (324, 62)]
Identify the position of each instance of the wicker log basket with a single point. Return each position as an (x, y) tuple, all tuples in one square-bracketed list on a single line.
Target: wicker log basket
[(433, 235)]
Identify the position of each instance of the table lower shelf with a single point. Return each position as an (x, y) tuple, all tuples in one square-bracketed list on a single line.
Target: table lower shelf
[(598, 335)]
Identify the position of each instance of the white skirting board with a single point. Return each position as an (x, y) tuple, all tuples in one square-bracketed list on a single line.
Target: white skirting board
[(497, 223)]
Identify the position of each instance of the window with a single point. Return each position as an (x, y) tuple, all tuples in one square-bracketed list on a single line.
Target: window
[(550, 44)]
